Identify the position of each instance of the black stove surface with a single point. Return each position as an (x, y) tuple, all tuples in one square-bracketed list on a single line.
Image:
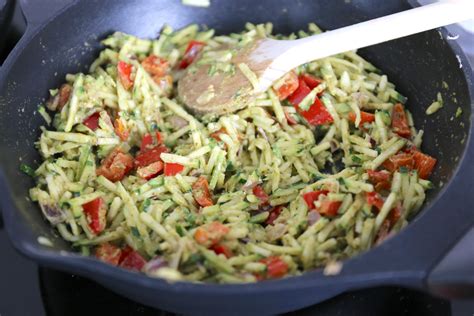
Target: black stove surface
[(27, 289)]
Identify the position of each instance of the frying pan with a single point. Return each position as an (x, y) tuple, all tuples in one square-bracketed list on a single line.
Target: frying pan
[(431, 254)]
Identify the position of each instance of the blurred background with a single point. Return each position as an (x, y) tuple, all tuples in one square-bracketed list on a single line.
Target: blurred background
[(27, 289)]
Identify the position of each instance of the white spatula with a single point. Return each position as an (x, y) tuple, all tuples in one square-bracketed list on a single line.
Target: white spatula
[(270, 59)]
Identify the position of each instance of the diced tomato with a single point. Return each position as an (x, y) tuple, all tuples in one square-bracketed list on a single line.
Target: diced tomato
[(155, 66), (120, 129), (150, 171), (383, 231), (64, 94), (378, 176), (399, 160), (289, 85), (274, 213), (143, 159), (380, 186), (381, 179), (108, 253), (374, 199), (124, 73), (116, 165), (165, 83), (412, 159), (329, 208), (276, 267), (210, 234), (201, 192), (192, 51), (289, 117), (395, 214), (312, 197), (201, 236), (365, 117), (311, 81), (159, 138), (300, 93), (424, 164), (388, 223), (400, 121), (125, 252), (217, 229), (95, 211), (148, 142), (317, 114), (261, 194), (172, 169), (132, 261), (92, 121), (222, 249), (217, 134)]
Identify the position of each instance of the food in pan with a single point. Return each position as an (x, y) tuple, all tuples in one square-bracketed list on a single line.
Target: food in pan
[(322, 166)]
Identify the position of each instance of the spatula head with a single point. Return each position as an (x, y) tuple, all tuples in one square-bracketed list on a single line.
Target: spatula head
[(205, 90)]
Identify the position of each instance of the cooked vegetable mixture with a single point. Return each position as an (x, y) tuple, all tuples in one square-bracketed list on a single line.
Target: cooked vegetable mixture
[(322, 166)]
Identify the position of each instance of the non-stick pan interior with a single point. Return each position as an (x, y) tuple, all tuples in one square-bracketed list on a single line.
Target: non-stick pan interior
[(419, 65)]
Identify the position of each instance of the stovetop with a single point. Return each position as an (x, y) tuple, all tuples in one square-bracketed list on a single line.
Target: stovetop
[(27, 289)]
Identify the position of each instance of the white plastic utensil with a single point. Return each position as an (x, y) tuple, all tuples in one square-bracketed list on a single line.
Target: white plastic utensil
[(270, 59)]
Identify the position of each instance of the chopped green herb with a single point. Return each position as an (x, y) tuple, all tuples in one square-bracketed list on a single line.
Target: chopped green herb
[(404, 170), (230, 167), (135, 232), (190, 217), (356, 159), (27, 170), (145, 205), (180, 230)]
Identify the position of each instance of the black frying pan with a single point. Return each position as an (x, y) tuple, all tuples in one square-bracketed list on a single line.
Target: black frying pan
[(426, 255)]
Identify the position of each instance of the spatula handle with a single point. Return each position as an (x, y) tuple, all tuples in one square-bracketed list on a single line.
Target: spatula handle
[(295, 53)]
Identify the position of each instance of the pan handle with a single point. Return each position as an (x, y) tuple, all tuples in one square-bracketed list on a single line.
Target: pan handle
[(453, 276)]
